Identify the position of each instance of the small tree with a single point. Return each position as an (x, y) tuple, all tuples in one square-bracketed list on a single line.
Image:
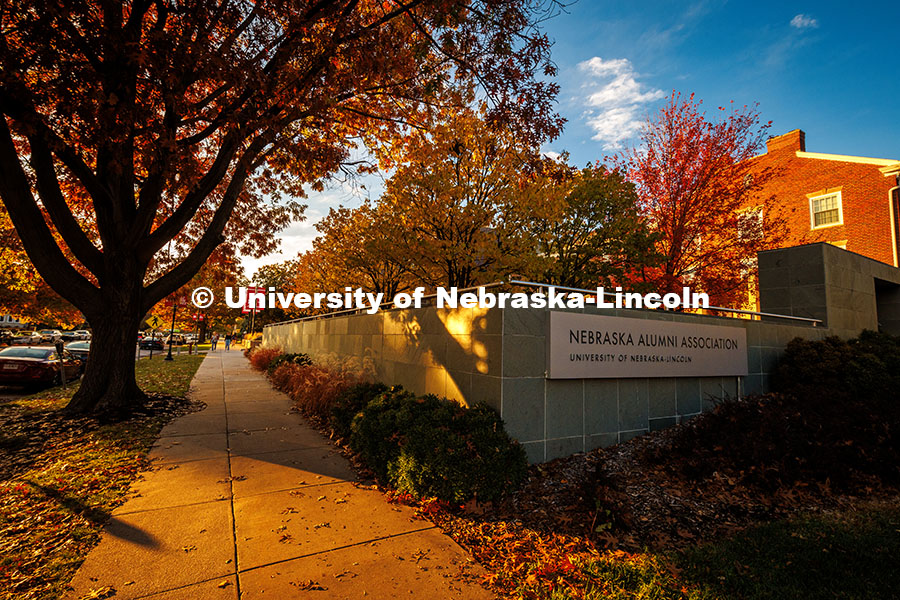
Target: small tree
[(23, 292), (280, 276), (355, 248), (695, 188)]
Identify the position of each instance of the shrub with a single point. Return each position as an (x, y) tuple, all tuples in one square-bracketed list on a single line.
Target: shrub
[(298, 358), (350, 402), (433, 447), (375, 430), (261, 358), (834, 419), (867, 367), (312, 388)]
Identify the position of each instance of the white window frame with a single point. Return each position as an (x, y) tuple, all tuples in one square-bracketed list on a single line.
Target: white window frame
[(840, 209)]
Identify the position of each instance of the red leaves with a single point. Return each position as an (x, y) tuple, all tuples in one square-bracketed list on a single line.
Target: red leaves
[(693, 175), (261, 358)]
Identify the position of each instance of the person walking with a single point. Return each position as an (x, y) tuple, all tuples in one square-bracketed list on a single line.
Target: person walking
[(227, 341), (214, 340)]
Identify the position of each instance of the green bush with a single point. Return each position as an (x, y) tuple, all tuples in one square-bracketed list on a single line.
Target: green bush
[(864, 368), (298, 358), (349, 403), (432, 446), (375, 431), (833, 419)]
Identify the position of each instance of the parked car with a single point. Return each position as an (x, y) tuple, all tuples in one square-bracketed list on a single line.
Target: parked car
[(69, 336), (83, 334), (6, 335), (26, 338), (152, 343), (36, 365), (50, 335), (177, 339), (80, 349)]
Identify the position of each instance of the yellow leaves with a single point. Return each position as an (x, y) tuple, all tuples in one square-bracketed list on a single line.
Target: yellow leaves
[(99, 593)]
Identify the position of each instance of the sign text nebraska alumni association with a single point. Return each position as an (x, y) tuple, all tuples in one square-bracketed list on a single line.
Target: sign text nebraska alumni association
[(584, 346)]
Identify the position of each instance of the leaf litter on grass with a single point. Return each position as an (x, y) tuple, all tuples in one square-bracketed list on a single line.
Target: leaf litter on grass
[(60, 478)]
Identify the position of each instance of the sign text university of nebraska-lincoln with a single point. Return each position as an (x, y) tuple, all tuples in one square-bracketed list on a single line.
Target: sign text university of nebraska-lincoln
[(584, 346)]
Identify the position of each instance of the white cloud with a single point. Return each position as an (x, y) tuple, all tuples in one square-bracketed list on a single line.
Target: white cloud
[(616, 100), (295, 239), (802, 21), (552, 155), (298, 236)]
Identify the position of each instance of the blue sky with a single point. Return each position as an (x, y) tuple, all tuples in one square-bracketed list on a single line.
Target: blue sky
[(829, 68)]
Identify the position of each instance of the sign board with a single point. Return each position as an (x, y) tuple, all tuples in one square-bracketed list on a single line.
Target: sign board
[(583, 346), (155, 322), (249, 303)]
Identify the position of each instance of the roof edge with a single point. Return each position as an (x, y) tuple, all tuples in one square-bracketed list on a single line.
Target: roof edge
[(892, 169), (881, 162)]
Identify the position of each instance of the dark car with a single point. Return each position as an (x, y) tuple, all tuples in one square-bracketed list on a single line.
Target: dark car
[(79, 350), (30, 365), (152, 343)]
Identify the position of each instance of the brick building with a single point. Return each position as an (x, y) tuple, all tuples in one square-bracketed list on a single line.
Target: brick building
[(849, 201)]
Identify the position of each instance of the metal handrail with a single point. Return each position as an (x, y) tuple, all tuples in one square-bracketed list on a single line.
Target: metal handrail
[(719, 308), (815, 322)]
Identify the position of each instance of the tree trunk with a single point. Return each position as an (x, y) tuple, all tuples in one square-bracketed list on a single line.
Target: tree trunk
[(108, 385)]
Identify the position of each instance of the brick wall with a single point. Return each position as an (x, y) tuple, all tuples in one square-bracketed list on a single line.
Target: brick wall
[(864, 190)]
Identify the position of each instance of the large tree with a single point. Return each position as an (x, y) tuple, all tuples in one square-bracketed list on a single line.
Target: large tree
[(355, 248), (459, 205), (594, 235), (128, 125), (694, 181)]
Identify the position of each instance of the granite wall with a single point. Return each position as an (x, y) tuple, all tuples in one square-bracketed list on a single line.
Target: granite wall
[(847, 291), (498, 356)]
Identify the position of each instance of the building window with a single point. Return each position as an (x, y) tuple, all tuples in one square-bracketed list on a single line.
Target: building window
[(750, 222), (825, 210)]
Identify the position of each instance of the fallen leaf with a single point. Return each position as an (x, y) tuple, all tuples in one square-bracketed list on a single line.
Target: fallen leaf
[(309, 585)]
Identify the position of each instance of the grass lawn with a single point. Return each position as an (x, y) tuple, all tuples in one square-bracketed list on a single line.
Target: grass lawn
[(847, 555), (851, 555), (61, 478)]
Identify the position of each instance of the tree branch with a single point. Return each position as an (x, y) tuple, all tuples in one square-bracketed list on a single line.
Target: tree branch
[(42, 249), (211, 238), (55, 203)]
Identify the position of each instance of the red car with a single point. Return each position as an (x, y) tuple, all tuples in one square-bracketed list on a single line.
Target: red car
[(32, 365)]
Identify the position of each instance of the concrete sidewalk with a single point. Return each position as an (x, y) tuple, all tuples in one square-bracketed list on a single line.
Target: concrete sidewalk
[(247, 501)]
